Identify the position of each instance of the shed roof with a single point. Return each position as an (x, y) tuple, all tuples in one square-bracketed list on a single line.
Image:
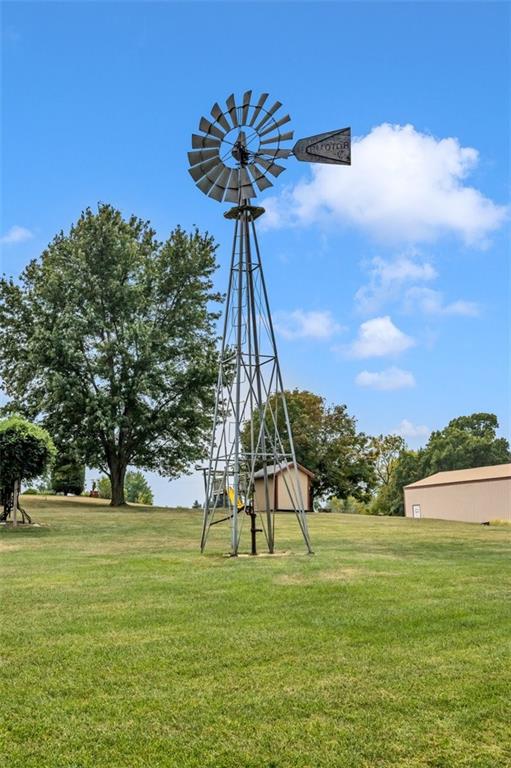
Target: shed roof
[(275, 469), (474, 475)]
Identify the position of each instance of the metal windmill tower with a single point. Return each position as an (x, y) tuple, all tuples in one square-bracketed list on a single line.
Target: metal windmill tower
[(233, 157)]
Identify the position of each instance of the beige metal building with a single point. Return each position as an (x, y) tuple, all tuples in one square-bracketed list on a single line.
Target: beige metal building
[(281, 488), (468, 495)]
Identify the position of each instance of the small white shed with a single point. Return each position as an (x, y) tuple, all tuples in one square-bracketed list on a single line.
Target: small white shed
[(281, 488)]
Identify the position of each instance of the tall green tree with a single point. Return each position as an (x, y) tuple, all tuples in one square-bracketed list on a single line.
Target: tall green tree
[(326, 442), (26, 451), (68, 475), (385, 450), (137, 489), (467, 441), (104, 487), (109, 337), (404, 469)]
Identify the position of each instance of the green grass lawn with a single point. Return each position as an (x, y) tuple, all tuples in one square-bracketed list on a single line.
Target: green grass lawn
[(123, 647)]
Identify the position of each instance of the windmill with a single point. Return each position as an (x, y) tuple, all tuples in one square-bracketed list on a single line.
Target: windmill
[(235, 155)]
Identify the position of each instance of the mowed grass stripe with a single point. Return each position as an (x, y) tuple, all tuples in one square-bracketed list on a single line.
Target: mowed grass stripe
[(123, 647)]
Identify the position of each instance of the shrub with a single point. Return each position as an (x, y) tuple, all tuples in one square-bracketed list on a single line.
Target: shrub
[(26, 450), (104, 488), (137, 489), (349, 506)]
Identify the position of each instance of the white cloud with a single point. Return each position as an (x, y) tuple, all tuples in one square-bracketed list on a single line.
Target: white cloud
[(407, 429), (390, 378), (403, 269), (403, 186), (300, 324), (431, 302), (16, 235), (387, 277), (395, 281), (379, 337)]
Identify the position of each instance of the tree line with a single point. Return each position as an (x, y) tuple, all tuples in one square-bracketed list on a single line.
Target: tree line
[(108, 343), (371, 471)]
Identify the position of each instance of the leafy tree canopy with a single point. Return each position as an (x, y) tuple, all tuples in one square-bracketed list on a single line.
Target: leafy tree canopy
[(385, 450), (68, 474), (137, 489), (326, 442), (467, 441), (104, 488), (109, 337), (25, 450)]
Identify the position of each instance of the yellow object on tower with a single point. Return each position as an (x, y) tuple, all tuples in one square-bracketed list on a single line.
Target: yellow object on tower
[(230, 491)]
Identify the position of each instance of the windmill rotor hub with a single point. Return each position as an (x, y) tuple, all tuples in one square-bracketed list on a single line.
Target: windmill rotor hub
[(240, 150), (234, 154)]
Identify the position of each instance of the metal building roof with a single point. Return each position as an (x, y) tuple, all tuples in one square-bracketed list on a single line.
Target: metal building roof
[(275, 469), (474, 475)]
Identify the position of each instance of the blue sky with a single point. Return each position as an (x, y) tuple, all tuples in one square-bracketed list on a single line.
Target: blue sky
[(389, 280)]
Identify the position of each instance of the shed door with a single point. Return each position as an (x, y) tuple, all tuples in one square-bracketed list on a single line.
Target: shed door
[(416, 510)]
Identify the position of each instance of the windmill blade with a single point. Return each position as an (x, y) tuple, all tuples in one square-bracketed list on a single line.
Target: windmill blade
[(232, 195), (284, 153), (233, 111), (210, 129), (247, 192), (246, 188), (275, 125), (209, 181), (220, 117), (216, 172), (259, 178), (199, 156), (217, 193), (267, 115), (233, 186), (205, 184), (278, 138), (218, 190), (198, 171), (272, 168), (201, 142), (245, 106), (258, 107)]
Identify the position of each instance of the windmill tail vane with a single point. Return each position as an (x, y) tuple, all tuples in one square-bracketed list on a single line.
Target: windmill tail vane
[(252, 472)]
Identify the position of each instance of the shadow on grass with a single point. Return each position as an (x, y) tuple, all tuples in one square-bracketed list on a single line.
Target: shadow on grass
[(34, 531)]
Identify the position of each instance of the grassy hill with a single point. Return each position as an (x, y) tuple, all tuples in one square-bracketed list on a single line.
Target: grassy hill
[(124, 648)]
